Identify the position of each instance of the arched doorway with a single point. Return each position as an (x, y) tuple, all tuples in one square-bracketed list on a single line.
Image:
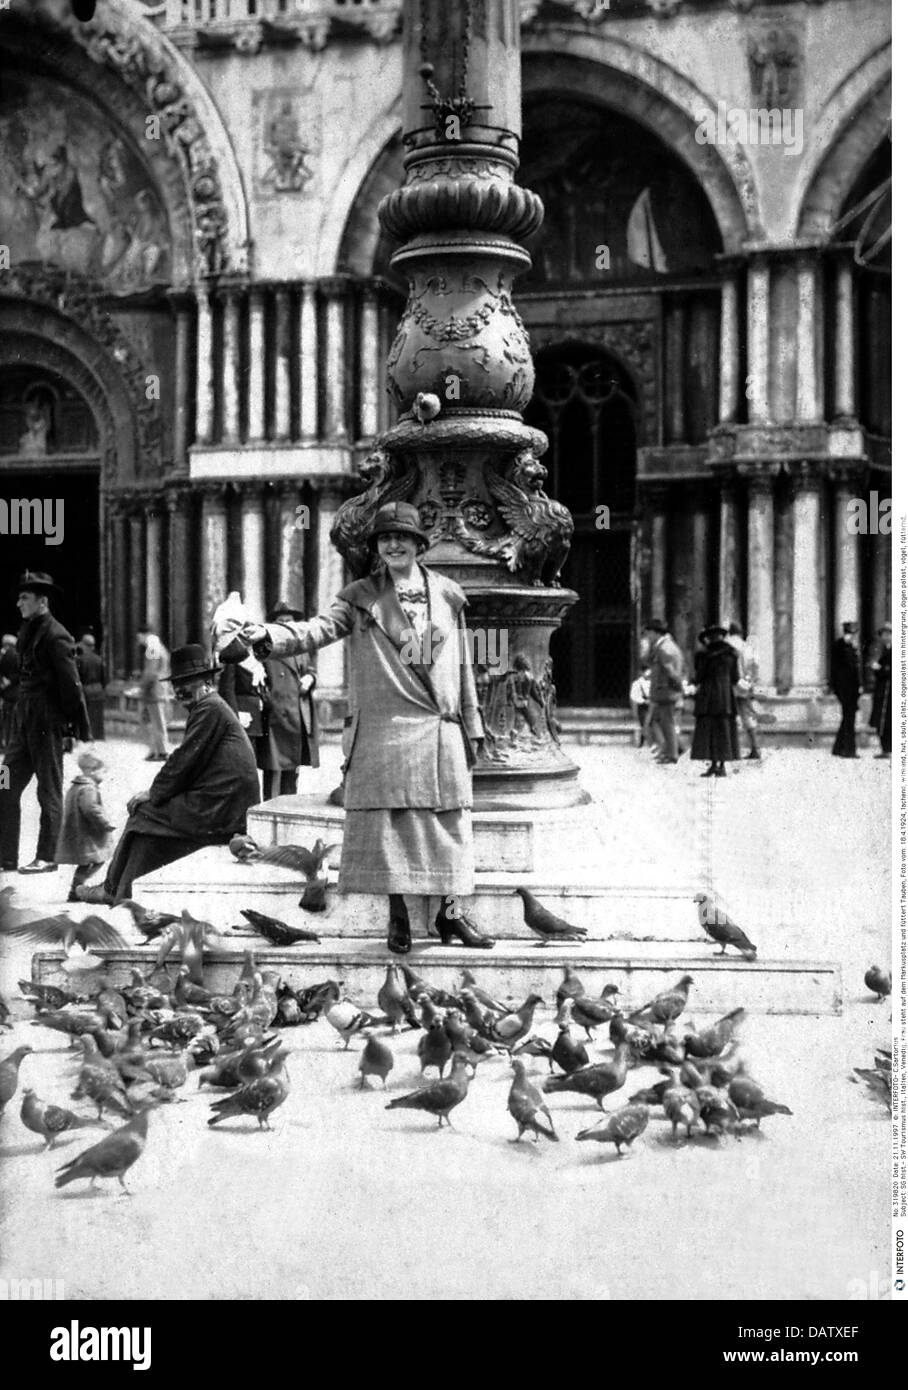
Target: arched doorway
[(585, 403), (50, 466)]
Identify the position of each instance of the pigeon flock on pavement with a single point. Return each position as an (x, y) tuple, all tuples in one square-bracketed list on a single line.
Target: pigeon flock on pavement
[(135, 1046)]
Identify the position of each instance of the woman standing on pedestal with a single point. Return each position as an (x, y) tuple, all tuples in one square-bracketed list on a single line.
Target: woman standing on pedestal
[(412, 733)]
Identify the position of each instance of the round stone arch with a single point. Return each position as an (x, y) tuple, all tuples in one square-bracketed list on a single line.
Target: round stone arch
[(350, 232), (606, 72), (122, 62), (38, 335), (850, 128)]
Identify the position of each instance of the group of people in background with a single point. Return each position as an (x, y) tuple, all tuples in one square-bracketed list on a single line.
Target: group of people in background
[(724, 693)]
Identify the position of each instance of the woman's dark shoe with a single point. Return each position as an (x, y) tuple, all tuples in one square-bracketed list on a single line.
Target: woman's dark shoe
[(720, 771), (462, 929), (710, 771), (399, 940)]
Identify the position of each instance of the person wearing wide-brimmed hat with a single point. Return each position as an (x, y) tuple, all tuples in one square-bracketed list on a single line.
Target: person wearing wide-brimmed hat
[(49, 708), (881, 709), (289, 738), (200, 796), (716, 673), (412, 731)]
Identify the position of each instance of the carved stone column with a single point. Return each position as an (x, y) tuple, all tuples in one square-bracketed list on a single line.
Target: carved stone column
[(758, 330), (214, 556), (808, 620), (658, 562), (844, 339), (282, 363), (230, 365), (154, 559), (674, 371), (729, 351), (331, 668), (729, 558), (846, 550), (308, 363), (181, 625), (292, 540), (369, 361), (809, 407), (335, 291), (204, 380), (256, 366), (181, 382), (252, 520), (118, 552), (136, 576), (760, 609), (881, 579)]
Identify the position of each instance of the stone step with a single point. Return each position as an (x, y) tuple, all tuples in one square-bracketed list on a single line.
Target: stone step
[(512, 970), (213, 885)]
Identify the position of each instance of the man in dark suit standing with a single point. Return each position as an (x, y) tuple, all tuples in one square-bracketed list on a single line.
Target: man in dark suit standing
[(666, 686), (845, 681), (50, 707)]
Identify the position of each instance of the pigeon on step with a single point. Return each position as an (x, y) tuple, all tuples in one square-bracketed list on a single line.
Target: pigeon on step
[(717, 924), (275, 931), (545, 924)]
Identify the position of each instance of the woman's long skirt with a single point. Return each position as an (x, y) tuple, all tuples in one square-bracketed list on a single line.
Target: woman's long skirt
[(407, 851), (715, 739)]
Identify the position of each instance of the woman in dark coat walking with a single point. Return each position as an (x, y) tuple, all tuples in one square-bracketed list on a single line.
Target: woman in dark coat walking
[(715, 711), (289, 738)]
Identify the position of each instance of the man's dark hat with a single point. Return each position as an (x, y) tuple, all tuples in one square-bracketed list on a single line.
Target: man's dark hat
[(36, 582), (399, 519), (714, 630), (288, 608), (190, 664), (654, 625)]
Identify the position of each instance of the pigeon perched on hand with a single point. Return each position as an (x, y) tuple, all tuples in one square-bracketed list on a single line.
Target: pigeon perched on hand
[(9, 1075), (439, 1097), (275, 931), (377, 1059), (526, 1106), (717, 924), (597, 1081), (544, 923), (879, 981), (52, 1120), (112, 1157), (621, 1127)]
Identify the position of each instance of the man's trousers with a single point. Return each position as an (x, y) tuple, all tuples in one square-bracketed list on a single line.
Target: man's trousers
[(35, 751)]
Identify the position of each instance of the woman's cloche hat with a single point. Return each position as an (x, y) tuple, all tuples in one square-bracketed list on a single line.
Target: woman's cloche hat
[(398, 519)]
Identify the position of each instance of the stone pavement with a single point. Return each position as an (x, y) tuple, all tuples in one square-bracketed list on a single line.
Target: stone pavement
[(347, 1201)]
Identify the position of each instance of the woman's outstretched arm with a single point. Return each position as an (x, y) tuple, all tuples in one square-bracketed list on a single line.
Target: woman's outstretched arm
[(289, 639)]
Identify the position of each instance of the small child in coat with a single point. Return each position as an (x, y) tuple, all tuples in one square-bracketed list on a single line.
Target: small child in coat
[(85, 829)]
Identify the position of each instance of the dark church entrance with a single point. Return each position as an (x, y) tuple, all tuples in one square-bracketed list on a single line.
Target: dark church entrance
[(584, 402), (74, 564)]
